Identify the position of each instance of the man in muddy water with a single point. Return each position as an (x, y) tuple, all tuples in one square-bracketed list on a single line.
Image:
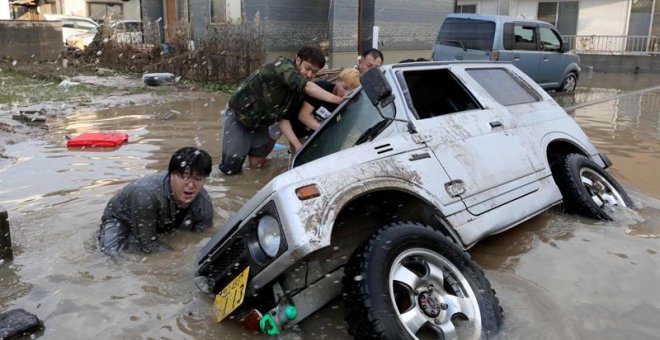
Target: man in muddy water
[(370, 58), (262, 100), (158, 203)]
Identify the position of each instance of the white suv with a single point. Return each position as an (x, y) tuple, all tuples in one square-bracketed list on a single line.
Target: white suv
[(419, 165)]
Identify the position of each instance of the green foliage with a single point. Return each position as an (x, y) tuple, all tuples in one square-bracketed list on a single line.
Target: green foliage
[(217, 87)]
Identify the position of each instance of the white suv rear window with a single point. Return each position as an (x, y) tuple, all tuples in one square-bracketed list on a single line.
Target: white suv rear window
[(503, 87)]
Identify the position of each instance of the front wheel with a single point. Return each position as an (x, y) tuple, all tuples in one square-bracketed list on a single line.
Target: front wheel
[(588, 189), (408, 281)]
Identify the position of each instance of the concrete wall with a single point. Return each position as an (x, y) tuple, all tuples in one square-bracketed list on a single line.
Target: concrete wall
[(620, 63), (27, 41)]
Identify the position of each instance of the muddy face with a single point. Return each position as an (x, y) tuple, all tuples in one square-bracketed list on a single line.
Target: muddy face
[(557, 276)]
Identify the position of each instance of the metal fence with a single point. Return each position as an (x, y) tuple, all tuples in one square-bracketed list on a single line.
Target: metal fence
[(614, 44)]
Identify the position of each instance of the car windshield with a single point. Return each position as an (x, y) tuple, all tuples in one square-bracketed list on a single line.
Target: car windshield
[(355, 123)]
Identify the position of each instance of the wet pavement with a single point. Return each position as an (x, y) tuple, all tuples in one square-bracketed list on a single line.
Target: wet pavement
[(556, 276)]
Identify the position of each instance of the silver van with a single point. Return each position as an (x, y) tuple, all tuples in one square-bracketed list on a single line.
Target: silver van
[(534, 46)]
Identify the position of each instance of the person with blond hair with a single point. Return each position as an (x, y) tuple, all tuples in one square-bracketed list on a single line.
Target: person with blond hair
[(301, 121)]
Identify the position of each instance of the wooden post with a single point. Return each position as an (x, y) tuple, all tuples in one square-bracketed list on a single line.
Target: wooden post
[(5, 237)]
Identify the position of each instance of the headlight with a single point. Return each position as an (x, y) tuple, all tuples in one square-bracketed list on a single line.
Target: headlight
[(268, 231)]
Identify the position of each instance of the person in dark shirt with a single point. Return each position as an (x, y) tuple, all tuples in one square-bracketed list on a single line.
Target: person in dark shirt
[(369, 58), (158, 203), (302, 120), (261, 101)]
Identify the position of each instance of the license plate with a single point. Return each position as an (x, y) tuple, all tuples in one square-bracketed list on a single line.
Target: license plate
[(231, 296)]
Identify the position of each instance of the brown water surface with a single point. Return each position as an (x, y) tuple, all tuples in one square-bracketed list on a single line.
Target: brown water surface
[(556, 276)]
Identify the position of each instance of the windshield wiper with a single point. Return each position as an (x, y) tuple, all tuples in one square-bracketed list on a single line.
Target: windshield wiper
[(373, 131), (457, 42)]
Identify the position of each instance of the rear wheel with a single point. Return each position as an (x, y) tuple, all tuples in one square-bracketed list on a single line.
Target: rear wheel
[(587, 188), (569, 84), (408, 281)]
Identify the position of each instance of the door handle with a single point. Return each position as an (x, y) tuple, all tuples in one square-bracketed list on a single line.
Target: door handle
[(495, 124), (458, 57), (516, 58)]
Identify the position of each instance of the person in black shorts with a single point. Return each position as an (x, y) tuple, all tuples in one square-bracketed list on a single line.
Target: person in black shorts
[(299, 122)]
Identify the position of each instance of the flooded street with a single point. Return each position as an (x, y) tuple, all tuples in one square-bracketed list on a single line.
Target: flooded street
[(557, 276)]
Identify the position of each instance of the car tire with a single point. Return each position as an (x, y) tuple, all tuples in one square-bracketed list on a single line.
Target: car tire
[(569, 84), (459, 302), (588, 189)]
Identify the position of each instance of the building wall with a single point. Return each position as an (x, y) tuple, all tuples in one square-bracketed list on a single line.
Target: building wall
[(131, 8), (4, 10), (407, 27), (75, 7), (152, 10), (410, 24), (290, 24), (595, 17), (30, 40), (603, 17), (484, 6), (527, 9)]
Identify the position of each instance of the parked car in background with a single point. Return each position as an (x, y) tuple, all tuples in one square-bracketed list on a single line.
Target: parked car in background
[(381, 202), (72, 25), (534, 46), (122, 31), (127, 31)]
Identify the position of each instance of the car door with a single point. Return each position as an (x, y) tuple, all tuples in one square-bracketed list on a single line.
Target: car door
[(473, 141), (525, 54), (552, 61)]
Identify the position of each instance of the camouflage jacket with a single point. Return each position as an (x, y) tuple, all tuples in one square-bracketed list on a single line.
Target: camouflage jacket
[(265, 96)]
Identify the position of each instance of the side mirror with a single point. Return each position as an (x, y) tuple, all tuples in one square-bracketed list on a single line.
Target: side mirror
[(376, 87)]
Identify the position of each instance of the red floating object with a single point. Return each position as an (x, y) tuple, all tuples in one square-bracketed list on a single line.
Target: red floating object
[(98, 139)]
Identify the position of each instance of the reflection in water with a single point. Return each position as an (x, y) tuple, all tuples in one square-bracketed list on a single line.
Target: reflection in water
[(557, 276)]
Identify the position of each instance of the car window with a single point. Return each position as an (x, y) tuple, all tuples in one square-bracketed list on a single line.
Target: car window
[(354, 123), (436, 92), (467, 33), (503, 87), (549, 39), (524, 37)]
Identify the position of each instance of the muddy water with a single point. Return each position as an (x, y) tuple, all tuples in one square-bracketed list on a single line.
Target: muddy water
[(557, 276)]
